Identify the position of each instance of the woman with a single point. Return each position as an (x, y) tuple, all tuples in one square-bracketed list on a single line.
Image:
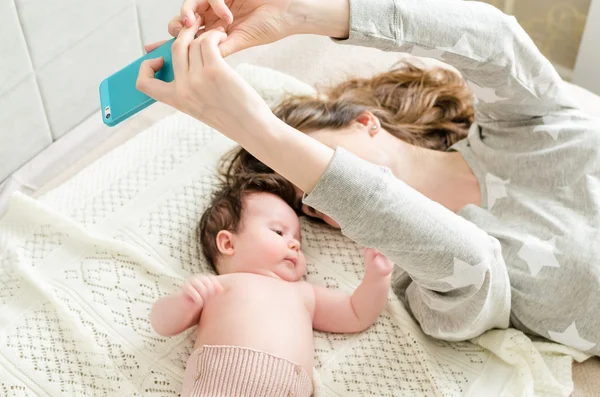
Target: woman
[(497, 228)]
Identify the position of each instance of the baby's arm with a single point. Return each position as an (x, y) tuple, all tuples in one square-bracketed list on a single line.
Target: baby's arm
[(177, 312), (336, 311)]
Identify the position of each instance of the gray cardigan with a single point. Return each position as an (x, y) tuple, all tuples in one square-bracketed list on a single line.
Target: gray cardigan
[(529, 256)]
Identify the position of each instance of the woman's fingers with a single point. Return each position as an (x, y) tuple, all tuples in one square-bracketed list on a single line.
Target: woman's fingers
[(180, 51), (209, 45), (190, 8), (221, 9), (153, 46), (231, 45), (175, 26), (151, 86), (196, 61)]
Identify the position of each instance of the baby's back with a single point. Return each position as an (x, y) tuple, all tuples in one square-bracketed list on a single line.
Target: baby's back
[(261, 313)]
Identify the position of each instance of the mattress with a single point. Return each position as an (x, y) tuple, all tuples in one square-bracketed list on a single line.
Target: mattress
[(82, 265)]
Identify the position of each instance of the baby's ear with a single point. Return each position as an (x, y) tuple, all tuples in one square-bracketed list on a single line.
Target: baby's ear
[(226, 243)]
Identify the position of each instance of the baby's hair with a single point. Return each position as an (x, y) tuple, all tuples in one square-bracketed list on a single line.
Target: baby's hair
[(226, 208)]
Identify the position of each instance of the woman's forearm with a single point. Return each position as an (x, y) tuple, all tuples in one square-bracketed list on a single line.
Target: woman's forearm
[(323, 17), (294, 155)]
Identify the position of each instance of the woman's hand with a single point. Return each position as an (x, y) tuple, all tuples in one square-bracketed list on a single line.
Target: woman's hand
[(250, 23), (205, 86)]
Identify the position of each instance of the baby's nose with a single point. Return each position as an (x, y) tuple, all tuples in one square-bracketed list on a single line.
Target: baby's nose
[(294, 244)]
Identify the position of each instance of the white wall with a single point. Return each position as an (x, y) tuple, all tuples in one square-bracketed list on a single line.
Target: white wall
[(587, 68)]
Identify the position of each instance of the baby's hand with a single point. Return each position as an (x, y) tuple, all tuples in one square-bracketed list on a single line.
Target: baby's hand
[(377, 264), (200, 288)]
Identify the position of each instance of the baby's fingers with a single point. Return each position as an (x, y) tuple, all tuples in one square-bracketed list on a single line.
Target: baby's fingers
[(190, 292), (369, 255), (216, 284), (208, 287), (383, 264)]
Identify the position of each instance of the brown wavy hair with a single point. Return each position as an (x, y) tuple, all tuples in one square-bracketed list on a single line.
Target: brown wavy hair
[(426, 107)]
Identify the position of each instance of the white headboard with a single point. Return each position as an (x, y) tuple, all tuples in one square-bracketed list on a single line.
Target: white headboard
[(54, 54)]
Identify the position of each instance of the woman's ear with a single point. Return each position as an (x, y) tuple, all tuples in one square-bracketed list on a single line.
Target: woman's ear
[(370, 122), (226, 243)]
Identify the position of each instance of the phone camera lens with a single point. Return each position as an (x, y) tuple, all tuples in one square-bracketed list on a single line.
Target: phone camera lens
[(107, 116)]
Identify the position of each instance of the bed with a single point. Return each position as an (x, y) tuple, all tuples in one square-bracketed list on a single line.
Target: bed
[(106, 225)]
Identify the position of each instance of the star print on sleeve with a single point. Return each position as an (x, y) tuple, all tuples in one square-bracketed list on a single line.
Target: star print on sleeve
[(485, 94), (537, 254), (458, 336), (465, 275), (496, 189), (419, 51), (571, 337), (551, 126), (542, 84), (463, 47)]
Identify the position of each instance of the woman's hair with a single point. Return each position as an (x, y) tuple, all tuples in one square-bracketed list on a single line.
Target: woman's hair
[(226, 208), (426, 107)]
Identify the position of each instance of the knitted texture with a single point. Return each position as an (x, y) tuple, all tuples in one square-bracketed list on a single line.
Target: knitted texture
[(81, 267), (215, 371)]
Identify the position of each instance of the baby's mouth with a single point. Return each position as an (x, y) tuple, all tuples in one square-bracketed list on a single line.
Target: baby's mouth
[(293, 261)]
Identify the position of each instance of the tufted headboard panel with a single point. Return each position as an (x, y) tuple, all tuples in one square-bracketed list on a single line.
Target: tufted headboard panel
[(54, 54)]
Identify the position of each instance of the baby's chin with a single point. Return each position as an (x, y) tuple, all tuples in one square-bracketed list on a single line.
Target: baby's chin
[(288, 273)]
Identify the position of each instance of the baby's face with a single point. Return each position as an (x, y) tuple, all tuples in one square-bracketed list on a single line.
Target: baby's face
[(269, 239)]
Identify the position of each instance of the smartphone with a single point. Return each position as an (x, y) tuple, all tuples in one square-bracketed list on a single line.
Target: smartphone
[(119, 99)]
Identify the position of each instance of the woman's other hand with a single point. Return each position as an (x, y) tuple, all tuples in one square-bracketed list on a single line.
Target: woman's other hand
[(205, 86), (250, 23)]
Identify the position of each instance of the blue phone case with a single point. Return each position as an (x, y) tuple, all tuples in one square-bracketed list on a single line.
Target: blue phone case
[(119, 99)]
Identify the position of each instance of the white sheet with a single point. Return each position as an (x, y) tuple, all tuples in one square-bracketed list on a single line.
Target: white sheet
[(81, 267)]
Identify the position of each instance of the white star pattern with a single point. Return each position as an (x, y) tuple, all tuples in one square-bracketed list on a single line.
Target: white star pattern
[(542, 83), (457, 336), (496, 189), (549, 126), (463, 47), (465, 275), (544, 80), (426, 52), (537, 254), (487, 95), (571, 337)]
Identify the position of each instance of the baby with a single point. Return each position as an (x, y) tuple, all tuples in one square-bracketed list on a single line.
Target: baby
[(256, 317)]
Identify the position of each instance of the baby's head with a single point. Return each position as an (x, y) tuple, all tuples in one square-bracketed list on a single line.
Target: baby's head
[(250, 227)]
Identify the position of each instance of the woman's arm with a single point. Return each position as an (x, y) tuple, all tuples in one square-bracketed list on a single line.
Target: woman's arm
[(460, 283), (510, 77)]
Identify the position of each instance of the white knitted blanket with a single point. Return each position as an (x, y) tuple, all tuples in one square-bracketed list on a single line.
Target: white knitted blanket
[(81, 267)]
